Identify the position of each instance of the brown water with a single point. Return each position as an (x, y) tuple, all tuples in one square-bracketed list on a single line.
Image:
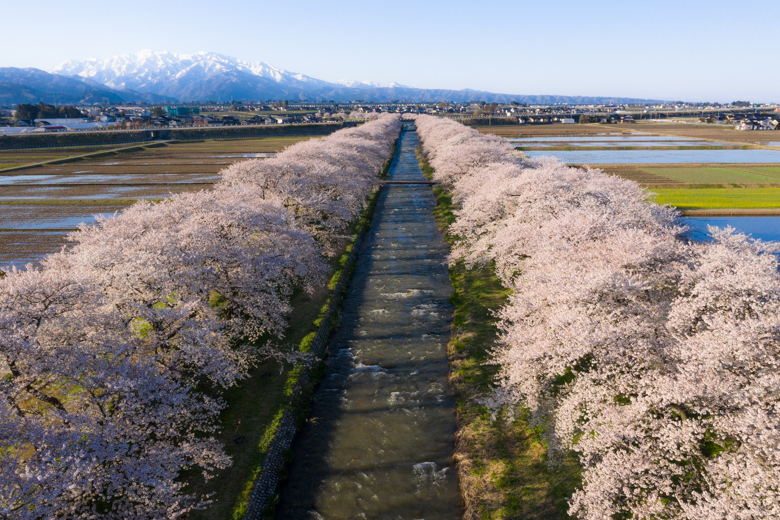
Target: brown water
[(380, 440)]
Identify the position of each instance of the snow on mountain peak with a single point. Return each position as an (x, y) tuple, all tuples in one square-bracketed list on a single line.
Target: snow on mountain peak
[(204, 75), (351, 83), (148, 71)]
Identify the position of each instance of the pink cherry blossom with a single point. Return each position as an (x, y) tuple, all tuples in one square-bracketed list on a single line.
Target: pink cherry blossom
[(107, 351), (654, 359)]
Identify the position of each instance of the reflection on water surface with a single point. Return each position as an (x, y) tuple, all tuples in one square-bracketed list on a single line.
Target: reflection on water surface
[(380, 441)]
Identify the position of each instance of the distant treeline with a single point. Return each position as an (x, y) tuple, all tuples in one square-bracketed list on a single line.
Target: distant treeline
[(43, 111), (55, 139)]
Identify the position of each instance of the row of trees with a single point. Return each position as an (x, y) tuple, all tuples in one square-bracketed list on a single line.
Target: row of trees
[(654, 358), (42, 111), (364, 115), (113, 356)]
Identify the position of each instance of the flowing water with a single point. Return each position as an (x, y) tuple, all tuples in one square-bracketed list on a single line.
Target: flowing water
[(380, 440)]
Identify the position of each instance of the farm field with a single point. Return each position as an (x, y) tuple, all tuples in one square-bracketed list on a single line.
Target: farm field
[(714, 187), (689, 130), (732, 174), (40, 204), (242, 115), (710, 132), (653, 154), (556, 129), (153, 150), (719, 198)]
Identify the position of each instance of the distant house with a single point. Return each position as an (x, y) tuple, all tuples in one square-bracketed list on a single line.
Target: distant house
[(61, 121), (766, 124), (254, 120), (50, 128), (282, 119), (134, 121), (567, 120)]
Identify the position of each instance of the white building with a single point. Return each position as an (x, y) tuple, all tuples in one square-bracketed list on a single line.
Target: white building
[(766, 124)]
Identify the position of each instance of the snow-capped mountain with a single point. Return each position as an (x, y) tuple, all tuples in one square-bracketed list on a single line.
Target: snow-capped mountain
[(171, 74), (208, 75), (351, 83), (168, 77)]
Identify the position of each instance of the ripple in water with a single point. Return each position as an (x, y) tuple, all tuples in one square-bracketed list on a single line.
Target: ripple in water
[(382, 444)]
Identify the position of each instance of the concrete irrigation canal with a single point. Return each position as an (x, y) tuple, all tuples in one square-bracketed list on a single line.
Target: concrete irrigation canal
[(379, 442)]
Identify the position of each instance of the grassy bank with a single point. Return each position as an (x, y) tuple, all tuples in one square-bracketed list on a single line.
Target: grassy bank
[(502, 467), (256, 406)]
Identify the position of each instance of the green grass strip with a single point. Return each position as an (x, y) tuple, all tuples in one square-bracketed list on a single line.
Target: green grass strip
[(720, 198), (502, 466)]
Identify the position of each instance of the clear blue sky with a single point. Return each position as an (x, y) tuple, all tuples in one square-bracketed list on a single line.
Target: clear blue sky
[(684, 49)]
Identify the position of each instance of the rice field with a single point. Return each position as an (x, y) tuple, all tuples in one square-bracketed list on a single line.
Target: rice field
[(705, 132), (718, 175), (691, 166), (719, 198), (698, 175), (46, 193), (18, 248)]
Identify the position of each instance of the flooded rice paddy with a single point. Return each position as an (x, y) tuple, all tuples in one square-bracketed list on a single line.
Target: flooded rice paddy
[(19, 248), (634, 144), (722, 168), (245, 155), (752, 156), (107, 179), (39, 204), (763, 228), (606, 138), (53, 216), (380, 440), (99, 191)]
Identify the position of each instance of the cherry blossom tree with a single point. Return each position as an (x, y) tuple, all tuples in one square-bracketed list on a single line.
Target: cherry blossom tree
[(368, 116), (652, 358), (324, 182), (106, 352), (91, 424)]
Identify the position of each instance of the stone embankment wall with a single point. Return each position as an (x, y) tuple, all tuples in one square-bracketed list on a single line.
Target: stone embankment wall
[(268, 480)]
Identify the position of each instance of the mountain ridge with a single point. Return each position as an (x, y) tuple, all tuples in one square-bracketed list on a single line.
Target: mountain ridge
[(32, 85), (167, 77)]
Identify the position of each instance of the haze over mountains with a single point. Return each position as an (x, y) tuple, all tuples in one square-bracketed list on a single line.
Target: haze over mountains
[(169, 77)]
